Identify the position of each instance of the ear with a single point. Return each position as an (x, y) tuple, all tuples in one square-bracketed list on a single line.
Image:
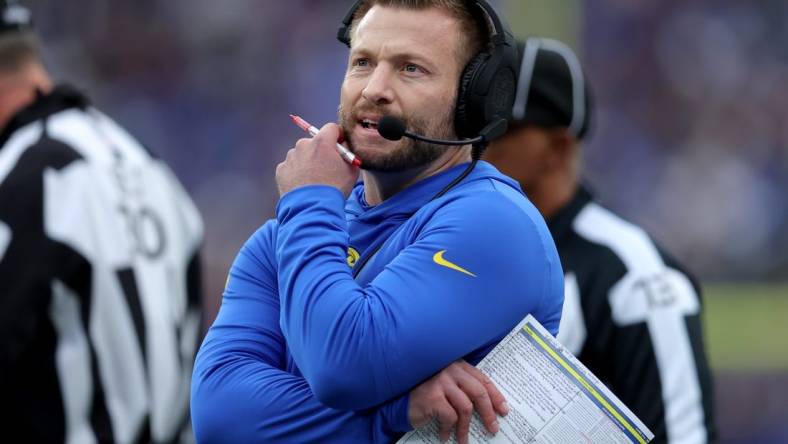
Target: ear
[(562, 146)]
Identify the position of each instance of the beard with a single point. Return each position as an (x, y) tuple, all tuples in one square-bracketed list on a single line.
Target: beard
[(407, 153)]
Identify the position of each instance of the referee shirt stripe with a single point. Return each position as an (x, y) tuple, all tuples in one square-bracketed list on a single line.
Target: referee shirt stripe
[(119, 357), (572, 332), (16, 147), (5, 238), (72, 356)]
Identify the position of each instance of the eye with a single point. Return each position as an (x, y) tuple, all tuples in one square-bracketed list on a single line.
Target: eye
[(411, 68), (361, 62)]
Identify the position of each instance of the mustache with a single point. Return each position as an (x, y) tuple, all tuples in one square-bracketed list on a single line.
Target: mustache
[(353, 114)]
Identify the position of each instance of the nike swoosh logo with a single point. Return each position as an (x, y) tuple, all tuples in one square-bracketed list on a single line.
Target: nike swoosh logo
[(438, 258)]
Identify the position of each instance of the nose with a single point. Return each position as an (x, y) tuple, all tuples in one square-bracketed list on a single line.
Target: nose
[(379, 89)]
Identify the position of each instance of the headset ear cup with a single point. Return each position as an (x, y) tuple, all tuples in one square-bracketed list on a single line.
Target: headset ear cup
[(466, 123)]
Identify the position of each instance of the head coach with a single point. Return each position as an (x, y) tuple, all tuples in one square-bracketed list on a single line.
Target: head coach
[(346, 317)]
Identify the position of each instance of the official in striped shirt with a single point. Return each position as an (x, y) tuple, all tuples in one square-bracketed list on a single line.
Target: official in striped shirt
[(631, 313), (99, 277)]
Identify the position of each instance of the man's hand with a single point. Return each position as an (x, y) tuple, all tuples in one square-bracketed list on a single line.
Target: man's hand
[(451, 397), (316, 161)]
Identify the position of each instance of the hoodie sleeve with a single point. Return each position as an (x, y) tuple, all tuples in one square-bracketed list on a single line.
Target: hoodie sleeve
[(241, 389), (476, 266)]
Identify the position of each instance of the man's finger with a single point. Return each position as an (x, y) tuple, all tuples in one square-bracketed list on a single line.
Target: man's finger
[(496, 397), (464, 407), (477, 392), (447, 419)]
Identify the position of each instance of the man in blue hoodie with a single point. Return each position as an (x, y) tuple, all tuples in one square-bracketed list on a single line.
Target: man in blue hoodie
[(359, 292)]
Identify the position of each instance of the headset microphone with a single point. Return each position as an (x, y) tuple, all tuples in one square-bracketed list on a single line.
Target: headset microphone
[(392, 128)]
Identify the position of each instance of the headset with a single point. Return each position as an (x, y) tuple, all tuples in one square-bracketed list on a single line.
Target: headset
[(488, 82)]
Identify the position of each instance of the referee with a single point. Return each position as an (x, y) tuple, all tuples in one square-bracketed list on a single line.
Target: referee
[(99, 276), (631, 313)]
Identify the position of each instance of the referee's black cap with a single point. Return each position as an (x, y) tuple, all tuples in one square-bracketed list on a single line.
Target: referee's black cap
[(552, 91), (14, 17)]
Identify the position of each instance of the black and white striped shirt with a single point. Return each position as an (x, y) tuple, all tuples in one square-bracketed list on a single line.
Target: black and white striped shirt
[(99, 281), (632, 315)]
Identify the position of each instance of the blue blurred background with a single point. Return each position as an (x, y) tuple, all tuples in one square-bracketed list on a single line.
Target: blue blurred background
[(690, 137)]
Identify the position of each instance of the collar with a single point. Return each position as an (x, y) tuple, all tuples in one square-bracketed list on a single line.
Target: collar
[(62, 97), (405, 203), (561, 222)]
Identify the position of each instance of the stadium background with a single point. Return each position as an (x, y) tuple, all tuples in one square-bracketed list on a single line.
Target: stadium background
[(690, 136)]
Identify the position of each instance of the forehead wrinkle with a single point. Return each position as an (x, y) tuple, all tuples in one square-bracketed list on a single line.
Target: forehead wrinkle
[(403, 31)]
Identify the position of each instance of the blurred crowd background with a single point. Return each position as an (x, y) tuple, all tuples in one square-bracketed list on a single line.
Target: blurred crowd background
[(690, 137)]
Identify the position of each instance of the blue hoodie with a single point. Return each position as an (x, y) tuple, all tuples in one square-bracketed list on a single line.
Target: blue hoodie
[(334, 311)]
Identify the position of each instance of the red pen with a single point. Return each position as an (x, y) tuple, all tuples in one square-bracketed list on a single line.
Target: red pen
[(344, 152)]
